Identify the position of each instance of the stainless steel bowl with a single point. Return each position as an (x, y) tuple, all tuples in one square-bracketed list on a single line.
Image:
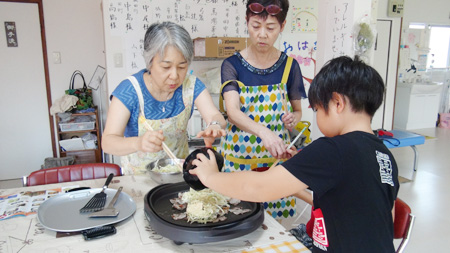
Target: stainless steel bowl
[(165, 178)]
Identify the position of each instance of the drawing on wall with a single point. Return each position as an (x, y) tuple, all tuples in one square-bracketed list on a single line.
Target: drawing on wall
[(97, 77), (299, 39), (303, 50), (413, 37), (304, 16)]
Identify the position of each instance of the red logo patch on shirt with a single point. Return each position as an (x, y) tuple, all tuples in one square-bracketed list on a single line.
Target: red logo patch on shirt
[(320, 232)]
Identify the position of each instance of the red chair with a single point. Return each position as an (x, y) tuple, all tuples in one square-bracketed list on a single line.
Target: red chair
[(403, 223), (71, 173)]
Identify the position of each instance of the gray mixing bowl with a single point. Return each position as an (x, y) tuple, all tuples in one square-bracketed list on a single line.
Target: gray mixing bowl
[(165, 178)]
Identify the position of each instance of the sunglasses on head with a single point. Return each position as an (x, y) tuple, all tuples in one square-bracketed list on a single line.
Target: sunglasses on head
[(271, 9)]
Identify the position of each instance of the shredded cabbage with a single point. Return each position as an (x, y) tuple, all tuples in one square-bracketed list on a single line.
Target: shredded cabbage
[(205, 205), (171, 168)]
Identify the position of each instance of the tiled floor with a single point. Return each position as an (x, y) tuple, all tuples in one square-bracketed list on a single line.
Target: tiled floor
[(427, 194)]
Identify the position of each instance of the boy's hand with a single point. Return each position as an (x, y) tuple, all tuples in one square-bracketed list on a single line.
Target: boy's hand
[(292, 151), (205, 166)]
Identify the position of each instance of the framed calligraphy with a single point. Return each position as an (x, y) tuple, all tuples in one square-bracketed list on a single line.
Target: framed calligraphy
[(11, 34)]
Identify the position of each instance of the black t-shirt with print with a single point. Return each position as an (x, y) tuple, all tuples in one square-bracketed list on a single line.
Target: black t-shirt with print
[(354, 179)]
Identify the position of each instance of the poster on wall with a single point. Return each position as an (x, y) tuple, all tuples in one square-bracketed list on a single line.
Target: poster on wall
[(131, 20), (302, 48), (339, 29), (304, 16), (299, 41)]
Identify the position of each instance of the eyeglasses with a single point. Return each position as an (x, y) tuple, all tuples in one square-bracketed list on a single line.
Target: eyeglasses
[(271, 9)]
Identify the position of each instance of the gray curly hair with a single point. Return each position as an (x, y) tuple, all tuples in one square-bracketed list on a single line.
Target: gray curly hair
[(161, 35)]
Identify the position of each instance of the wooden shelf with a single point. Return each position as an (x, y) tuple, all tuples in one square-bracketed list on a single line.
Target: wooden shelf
[(85, 155)]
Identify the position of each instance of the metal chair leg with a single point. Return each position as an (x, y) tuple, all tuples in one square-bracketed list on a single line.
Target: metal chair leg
[(405, 240), (416, 157)]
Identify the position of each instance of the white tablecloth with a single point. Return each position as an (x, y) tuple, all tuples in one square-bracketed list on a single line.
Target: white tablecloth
[(26, 234)]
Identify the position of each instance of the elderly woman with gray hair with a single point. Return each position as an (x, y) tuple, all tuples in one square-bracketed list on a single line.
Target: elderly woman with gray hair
[(163, 95)]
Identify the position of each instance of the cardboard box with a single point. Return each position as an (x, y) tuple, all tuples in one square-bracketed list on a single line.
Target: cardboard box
[(219, 47)]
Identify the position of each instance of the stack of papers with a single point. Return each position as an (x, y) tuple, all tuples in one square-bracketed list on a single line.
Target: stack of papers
[(72, 144)]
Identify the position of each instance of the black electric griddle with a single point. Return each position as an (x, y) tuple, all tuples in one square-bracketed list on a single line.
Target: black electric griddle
[(159, 210)]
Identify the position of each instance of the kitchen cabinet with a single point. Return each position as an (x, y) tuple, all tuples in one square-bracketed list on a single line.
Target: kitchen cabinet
[(416, 105), (89, 152)]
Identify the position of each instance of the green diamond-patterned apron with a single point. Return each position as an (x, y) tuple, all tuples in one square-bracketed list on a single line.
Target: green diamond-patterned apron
[(174, 129), (245, 151)]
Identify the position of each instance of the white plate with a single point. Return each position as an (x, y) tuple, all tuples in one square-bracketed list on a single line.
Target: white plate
[(62, 213)]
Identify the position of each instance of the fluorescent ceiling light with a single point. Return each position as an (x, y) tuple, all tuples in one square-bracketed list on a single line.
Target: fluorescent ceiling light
[(416, 26)]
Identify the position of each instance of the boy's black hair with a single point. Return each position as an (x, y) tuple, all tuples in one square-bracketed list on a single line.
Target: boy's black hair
[(354, 79)]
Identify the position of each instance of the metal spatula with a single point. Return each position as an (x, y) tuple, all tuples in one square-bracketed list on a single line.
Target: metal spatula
[(97, 202), (109, 211)]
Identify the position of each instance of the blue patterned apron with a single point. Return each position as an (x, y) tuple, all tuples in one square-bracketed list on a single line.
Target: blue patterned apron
[(244, 151)]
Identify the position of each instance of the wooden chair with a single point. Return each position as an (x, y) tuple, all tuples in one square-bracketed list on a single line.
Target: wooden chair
[(71, 173), (403, 223)]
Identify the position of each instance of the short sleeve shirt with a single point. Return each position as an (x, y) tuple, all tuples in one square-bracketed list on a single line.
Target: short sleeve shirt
[(236, 67), (354, 179), (126, 93)]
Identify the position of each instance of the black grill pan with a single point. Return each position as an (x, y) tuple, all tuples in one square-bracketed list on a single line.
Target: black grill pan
[(159, 210)]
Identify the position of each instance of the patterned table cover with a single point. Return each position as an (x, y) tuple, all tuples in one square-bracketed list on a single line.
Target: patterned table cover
[(26, 234)]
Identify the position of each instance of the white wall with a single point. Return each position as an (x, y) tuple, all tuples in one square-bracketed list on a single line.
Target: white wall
[(392, 62), (360, 9), (419, 11), (24, 107), (74, 28), (430, 11)]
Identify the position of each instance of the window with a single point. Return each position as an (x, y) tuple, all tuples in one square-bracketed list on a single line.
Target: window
[(439, 47)]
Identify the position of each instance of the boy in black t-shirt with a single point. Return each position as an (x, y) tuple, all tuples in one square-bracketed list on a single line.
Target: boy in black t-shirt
[(352, 174)]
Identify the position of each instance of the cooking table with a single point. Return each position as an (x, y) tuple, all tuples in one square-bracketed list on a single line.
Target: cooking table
[(26, 234)]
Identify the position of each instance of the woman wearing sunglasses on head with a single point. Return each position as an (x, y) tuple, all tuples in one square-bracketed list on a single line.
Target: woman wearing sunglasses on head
[(253, 83)]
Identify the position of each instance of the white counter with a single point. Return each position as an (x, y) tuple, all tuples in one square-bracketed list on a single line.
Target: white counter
[(416, 105)]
